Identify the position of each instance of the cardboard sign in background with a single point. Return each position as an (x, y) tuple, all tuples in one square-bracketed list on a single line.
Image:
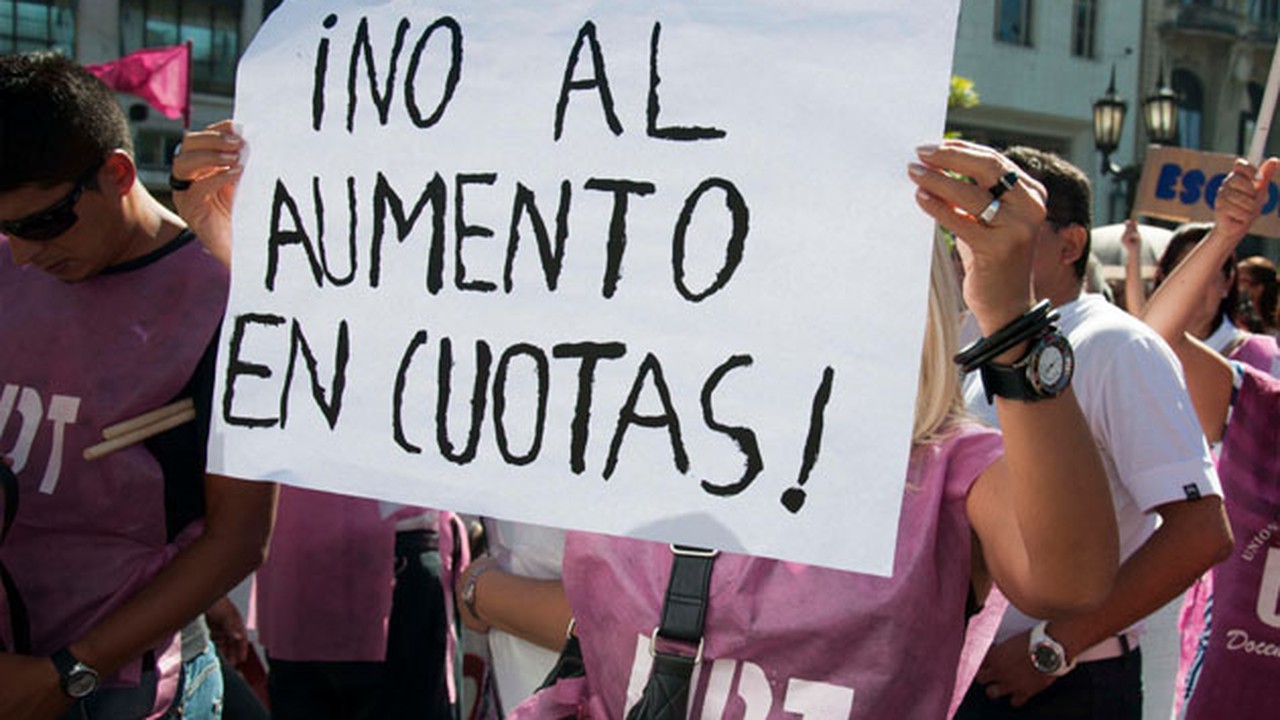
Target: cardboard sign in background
[(641, 268), (1181, 185)]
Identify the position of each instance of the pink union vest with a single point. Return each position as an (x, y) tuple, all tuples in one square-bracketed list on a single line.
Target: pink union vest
[(79, 357), (334, 556), (1242, 661), (785, 640)]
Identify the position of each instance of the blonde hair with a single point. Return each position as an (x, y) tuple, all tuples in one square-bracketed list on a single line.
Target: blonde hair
[(938, 398)]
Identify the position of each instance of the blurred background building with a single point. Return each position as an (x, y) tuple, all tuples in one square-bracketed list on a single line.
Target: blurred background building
[(95, 31), (1040, 66)]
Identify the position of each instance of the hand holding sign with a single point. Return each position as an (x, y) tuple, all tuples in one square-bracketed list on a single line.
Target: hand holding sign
[(211, 160), (1241, 197), (998, 252)]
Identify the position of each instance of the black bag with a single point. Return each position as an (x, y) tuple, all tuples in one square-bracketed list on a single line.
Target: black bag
[(17, 609), (684, 611)]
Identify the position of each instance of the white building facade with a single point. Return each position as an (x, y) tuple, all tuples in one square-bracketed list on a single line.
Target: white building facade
[(1039, 65)]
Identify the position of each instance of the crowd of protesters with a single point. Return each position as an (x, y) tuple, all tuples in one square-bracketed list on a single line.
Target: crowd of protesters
[(1079, 469)]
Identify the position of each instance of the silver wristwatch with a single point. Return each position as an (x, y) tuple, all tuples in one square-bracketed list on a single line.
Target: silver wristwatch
[(1047, 655), (78, 680)]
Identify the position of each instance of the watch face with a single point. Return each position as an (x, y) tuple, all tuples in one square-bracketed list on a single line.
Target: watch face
[(1046, 658), (1050, 366), (81, 682), (1053, 365)]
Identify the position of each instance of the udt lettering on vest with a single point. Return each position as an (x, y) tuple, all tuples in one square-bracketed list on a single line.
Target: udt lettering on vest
[(60, 411), (754, 687)]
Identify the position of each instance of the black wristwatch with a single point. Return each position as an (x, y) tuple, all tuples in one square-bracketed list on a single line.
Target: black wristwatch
[(1044, 372), (78, 680)]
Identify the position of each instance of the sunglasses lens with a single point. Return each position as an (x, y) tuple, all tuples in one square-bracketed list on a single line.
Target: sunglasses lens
[(45, 227), (49, 224)]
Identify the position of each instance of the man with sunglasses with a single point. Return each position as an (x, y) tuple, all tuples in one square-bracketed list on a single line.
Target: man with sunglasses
[(1167, 499), (109, 308)]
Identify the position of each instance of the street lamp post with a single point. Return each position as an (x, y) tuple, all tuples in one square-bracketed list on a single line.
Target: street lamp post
[(1108, 124), (1159, 115)]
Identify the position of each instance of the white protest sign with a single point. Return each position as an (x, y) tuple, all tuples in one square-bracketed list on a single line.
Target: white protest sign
[(645, 268)]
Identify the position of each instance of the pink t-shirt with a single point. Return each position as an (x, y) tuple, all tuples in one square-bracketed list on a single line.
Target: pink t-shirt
[(782, 639)]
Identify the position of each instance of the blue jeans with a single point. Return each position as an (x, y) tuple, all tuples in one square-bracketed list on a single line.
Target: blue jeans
[(199, 695)]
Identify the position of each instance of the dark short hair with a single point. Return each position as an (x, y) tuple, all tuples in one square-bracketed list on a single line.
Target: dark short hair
[(1263, 271), (56, 120), (1183, 239), (1070, 199)]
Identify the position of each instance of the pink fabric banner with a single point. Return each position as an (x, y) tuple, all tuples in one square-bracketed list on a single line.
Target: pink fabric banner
[(161, 76)]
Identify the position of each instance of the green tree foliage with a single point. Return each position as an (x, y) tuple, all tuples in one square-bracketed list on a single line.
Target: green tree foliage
[(963, 94)]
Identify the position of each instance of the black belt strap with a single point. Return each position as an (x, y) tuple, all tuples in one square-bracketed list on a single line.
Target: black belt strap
[(17, 609), (684, 612)]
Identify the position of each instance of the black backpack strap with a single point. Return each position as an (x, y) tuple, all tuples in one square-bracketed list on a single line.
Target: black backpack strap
[(684, 612), (569, 664), (17, 608)]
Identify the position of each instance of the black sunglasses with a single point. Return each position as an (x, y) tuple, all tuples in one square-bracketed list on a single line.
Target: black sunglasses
[(53, 220)]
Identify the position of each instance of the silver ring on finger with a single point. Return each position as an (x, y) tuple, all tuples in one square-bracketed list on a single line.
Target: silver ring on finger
[(989, 212)]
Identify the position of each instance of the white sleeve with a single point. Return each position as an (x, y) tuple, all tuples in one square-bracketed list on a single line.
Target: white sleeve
[(1148, 426)]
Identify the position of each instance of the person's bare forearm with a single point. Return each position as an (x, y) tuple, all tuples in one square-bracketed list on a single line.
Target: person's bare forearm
[(234, 542), (1135, 289), (1170, 308), (1193, 537), (1209, 377), (530, 609), (1060, 497)]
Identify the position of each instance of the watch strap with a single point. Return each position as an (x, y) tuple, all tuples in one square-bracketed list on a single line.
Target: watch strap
[(64, 661), (1015, 381), (469, 587), (1006, 381)]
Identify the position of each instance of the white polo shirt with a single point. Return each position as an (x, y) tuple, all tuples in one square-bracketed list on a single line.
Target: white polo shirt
[(1134, 397)]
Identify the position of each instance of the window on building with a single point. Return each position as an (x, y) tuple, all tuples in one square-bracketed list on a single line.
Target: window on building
[(1013, 22), (27, 25), (1190, 107), (212, 27), (154, 148), (1264, 10), (1084, 20)]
